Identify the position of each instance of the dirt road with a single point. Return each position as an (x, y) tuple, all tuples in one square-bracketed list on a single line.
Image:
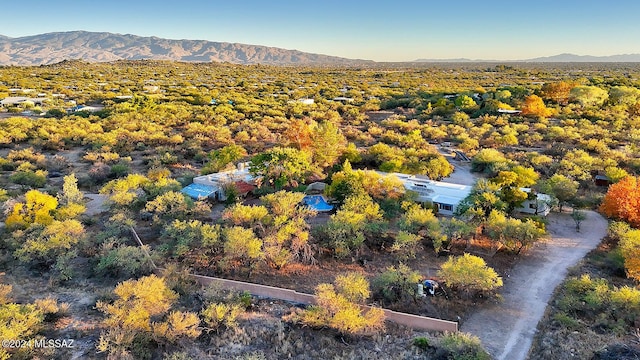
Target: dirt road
[(507, 329)]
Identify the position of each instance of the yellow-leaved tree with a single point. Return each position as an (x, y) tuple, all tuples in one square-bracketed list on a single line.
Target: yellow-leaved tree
[(129, 324), (534, 106), (338, 307), (469, 273), (37, 208)]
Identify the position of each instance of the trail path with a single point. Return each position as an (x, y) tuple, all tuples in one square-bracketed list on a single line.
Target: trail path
[(507, 329), (95, 205)]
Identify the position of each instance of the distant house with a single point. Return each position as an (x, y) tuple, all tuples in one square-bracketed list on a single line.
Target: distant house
[(508, 111), (307, 101), (447, 196), (602, 180), (17, 100), (538, 206), (92, 109), (213, 186)]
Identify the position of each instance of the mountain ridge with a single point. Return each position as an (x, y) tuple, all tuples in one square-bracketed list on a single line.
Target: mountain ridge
[(565, 57), (49, 48)]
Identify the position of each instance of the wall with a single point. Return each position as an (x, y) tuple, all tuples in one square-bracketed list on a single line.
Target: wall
[(409, 320)]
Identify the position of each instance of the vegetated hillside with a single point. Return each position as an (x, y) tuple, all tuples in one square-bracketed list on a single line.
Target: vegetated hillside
[(103, 46)]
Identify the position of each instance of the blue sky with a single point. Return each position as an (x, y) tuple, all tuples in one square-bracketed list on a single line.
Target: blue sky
[(375, 30)]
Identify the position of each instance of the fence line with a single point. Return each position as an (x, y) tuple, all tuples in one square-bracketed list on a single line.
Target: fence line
[(409, 320)]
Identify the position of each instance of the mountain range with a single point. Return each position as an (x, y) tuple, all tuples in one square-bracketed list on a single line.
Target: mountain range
[(103, 46), (569, 58)]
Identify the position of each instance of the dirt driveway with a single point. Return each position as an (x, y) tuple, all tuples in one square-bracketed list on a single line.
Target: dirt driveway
[(507, 329)]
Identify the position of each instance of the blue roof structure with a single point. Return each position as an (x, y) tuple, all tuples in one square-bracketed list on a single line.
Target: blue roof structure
[(199, 191)]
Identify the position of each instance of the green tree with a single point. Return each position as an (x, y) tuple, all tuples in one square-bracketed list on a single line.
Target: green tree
[(281, 167), (588, 95), (396, 283), (125, 191), (485, 196), (346, 229), (328, 144), (179, 237), (488, 161), (170, 205), (624, 95), (557, 91), (406, 244), (71, 200), (578, 217), (561, 187), (241, 245), (470, 274), (465, 102), (350, 182), (224, 158)]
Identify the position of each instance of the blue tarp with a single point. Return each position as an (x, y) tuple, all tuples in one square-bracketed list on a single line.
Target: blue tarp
[(198, 191), (317, 203)]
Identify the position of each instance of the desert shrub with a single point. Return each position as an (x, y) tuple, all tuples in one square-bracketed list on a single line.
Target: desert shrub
[(178, 278), (406, 245), (629, 246), (600, 305), (180, 236), (105, 157), (63, 268), (119, 170), (461, 346), (34, 179), (617, 352), (170, 205), (99, 172), (221, 315), (23, 321), (58, 163), (178, 355), (567, 321), (7, 165), (348, 228), (241, 245), (396, 283), (27, 155), (489, 161), (422, 343), (123, 260), (469, 273), (45, 243)]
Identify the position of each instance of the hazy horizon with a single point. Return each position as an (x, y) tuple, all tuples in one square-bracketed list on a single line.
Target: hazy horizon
[(494, 30)]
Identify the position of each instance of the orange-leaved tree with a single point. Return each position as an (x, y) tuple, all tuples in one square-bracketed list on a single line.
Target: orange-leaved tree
[(623, 201), (534, 106)]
